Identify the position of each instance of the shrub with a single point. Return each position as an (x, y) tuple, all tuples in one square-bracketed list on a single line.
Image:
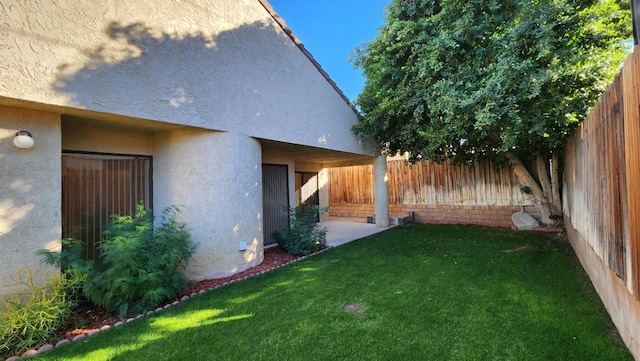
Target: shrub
[(32, 317), (303, 236), (139, 266)]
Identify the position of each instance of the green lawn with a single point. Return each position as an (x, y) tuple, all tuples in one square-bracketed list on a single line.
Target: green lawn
[(420, 292)]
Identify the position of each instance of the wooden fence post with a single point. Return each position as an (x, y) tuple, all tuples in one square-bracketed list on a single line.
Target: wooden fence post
[(631, 101)]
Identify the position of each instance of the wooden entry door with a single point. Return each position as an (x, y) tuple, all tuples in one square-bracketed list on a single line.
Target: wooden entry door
[(275, 200)]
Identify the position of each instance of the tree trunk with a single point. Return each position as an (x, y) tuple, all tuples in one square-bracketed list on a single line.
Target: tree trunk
[(555, 184), (537, 195), (542, 166)]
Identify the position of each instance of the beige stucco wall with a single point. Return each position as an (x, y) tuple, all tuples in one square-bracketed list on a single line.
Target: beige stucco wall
[(217, 64), (29, 193), (323, 193), (104, 139), (218, 188), (223, 66), (220, 191)]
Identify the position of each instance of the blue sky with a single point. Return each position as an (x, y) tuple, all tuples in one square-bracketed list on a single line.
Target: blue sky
[(331, 30)]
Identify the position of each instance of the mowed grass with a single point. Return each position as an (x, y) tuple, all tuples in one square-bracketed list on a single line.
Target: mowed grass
[(420, 292)]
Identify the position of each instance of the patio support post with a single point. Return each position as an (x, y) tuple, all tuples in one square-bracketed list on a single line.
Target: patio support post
[(381, 191)]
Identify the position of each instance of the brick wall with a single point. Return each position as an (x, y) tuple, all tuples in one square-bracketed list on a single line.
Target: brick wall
[(495, 216), (351, 210)]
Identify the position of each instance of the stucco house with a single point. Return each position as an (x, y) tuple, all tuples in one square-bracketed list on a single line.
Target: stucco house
[(212, 105)]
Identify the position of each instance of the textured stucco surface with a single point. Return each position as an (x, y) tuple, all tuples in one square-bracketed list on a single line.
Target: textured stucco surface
[(202, 172), (217, 64), (91, 138), (29, 193), (124, 76), (220, 192), (380, 182)]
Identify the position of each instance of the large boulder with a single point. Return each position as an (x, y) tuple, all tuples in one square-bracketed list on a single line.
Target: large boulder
[(524, 221)]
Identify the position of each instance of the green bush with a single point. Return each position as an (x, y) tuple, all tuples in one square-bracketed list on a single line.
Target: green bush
[(33, 317), (139, 265), (303, 236)]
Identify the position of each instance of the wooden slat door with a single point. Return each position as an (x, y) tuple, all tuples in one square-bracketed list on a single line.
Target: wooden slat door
[(275, 194), (98, 186)]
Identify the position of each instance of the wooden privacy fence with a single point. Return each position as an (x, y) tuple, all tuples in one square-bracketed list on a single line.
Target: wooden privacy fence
[(435, 193), (429, 183), (602, 176)]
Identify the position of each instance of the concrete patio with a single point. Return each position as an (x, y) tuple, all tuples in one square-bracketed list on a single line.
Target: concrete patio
[(341, 231)]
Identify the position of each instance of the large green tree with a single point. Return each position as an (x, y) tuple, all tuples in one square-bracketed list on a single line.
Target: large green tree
[(504, 79)]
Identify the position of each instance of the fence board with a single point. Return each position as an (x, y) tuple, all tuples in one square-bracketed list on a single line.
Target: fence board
[(602, 172), (429, 183), (631, 89)]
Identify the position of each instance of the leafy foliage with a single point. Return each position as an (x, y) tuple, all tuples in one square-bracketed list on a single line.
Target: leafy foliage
[(139, 266), (303, 235), (69, 258), (466, 79), (32, 317)]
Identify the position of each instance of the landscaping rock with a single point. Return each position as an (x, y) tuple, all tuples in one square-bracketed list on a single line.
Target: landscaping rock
[(45, 348), (524, 221), (29, 353), (64, 341)]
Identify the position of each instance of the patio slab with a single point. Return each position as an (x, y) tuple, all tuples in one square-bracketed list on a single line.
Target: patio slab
[(341, 232)]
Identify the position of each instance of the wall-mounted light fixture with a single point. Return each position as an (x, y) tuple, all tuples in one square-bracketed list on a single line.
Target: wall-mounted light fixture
[(23, 140)]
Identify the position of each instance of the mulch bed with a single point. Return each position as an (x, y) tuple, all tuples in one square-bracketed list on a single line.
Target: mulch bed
[(91, 320)]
